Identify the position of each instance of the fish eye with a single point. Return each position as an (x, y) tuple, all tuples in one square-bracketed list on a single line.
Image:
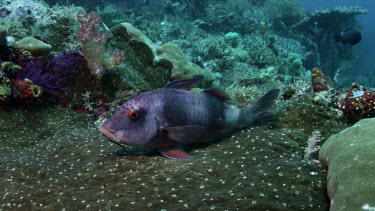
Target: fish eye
[(134, 114)]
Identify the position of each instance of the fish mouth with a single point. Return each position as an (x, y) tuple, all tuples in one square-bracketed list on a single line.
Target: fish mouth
[(115, 137)]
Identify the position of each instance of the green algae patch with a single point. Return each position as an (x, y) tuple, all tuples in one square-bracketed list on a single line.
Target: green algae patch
[(349, 156)]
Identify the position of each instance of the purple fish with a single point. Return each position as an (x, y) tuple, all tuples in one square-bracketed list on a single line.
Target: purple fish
[(166, 118)]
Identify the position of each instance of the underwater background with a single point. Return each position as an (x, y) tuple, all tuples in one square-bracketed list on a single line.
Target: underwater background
[(67, 66)]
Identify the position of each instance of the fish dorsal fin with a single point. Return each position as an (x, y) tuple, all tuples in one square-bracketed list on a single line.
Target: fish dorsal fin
[(218, 93), (185, 84)]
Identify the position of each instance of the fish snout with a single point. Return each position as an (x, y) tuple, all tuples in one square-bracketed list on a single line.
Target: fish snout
[(113, 136)]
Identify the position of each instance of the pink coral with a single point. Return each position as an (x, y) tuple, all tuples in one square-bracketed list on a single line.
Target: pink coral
[(94, 37)]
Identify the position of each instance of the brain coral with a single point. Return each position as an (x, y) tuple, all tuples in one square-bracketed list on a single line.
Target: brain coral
[(349, 157)]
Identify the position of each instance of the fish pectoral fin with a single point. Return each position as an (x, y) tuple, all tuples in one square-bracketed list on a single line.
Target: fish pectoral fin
[(176, 152), (185, 134)]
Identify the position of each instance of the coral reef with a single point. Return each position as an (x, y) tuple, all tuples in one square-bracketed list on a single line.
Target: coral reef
[(356, 103), (294, 67), (51, 74), (319, 81), (232, 38), (25, 91), (5, 88), (171, 56), (10, 69), (349, 158), (320, 26), (245, 94), (325, 18), (7, 71), (268, 75), (95, 48), (111, 15), (35, 18), (286, 12), (34, 46), (153, 64)]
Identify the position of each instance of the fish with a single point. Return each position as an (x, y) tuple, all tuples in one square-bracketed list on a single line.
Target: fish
[(167, 118), (349, 36)]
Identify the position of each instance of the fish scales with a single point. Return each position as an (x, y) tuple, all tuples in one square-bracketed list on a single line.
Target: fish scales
[(192, 108)]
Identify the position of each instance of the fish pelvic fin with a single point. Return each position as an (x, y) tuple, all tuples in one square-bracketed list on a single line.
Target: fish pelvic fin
[(176, 152), (257, 113)]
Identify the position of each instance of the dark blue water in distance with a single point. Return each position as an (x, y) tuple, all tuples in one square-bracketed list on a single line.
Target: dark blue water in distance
[(366, 52)]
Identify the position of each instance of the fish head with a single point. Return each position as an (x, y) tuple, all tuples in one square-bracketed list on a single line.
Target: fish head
[(132, 124)]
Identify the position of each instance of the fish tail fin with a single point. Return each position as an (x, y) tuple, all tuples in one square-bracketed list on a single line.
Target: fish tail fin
[(257, 114)]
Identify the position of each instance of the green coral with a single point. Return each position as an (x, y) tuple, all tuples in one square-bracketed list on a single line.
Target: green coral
[(232, 38), (292, 67), (173, 58), (295, 65), (349, 157), (34, 46), (149, 65)]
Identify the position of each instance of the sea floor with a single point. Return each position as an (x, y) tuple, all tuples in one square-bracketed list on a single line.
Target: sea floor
[(56, 159)]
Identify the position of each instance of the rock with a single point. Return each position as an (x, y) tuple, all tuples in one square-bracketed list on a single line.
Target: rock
[(139, 72), (149, 65), (173, 58), (349, 157), (34, 46)]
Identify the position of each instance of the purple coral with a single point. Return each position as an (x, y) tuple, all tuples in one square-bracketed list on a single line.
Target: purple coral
[(51, 73)]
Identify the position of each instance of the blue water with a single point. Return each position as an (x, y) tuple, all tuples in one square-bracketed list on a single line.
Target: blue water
[(366, 52)]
